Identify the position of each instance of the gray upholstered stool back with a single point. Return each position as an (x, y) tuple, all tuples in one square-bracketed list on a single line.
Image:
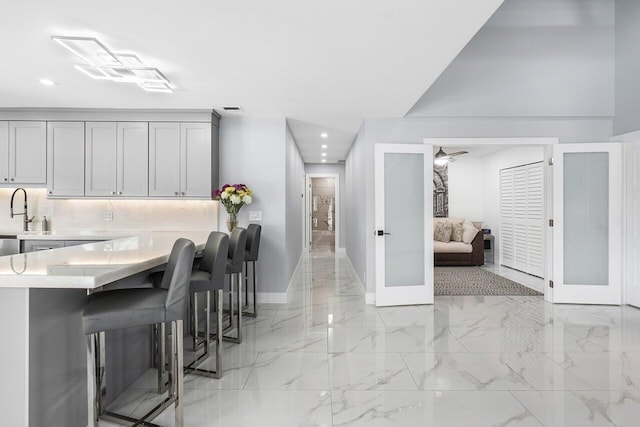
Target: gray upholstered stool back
[(214, 257), (237, 244), (253, 242), (176, 279)]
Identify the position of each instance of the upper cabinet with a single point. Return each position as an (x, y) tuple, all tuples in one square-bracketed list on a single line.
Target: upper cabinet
[(191, 144), (4, 151), (164, 155), (65, 159), (117, 156), (100, 159), (23, 150), (133, 159)]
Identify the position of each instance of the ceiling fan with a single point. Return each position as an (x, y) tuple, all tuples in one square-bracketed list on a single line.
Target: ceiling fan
[(441, 158)]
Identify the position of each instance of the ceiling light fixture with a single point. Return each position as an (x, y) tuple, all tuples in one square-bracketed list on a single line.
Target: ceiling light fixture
[(101, 63), (324, 154), (324, 160), (324, 135), (324, 145), (47, 82)]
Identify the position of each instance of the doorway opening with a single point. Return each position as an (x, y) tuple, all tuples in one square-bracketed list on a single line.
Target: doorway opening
[(498, 192), (322, 217)]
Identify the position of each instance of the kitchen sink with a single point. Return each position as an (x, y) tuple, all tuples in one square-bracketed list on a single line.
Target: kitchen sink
[(9, 245)]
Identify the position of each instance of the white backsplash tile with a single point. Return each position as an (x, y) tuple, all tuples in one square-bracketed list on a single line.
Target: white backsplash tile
[(87, 214)]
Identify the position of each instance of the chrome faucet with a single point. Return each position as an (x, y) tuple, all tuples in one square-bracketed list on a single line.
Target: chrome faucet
[(26, 217)]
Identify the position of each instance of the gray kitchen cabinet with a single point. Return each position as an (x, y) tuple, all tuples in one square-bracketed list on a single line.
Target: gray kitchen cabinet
[(164, 155), (190, 176), (4, 151), (65, 159), (100, 159), (116, 159), (27, 153), (195, 160), (132, 164)]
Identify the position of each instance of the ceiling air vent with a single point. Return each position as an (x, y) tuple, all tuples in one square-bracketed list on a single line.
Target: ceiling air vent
[(232, 108)]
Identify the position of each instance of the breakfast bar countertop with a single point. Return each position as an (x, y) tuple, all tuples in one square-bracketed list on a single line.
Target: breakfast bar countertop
[(90, 265)]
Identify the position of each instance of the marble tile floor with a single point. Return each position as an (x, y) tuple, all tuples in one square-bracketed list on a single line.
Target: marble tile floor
[(328, 359)]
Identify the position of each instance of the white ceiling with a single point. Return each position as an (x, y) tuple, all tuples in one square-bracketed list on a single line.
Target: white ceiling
[(324, 65)]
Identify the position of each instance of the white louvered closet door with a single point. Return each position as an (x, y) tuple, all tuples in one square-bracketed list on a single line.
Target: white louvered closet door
[(521, 218)]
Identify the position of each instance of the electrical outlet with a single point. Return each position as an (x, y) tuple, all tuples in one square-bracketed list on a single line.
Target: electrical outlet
[(255, 215), (107, 215)]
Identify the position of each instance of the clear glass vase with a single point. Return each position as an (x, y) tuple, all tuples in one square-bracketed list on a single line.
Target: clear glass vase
[(232, 221)]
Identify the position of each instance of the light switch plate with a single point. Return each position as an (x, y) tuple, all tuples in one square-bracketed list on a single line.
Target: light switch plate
[(107, 215), (255, 215)]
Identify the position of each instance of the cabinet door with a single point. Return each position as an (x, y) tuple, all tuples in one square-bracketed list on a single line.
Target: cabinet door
[(28, 152), (133, 159), (195, 160), (4, 152), (100, 159), (65, 158), (164, 155)]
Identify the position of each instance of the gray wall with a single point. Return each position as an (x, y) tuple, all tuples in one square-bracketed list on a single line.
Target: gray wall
[(537, 58), (627, 66), (294, 203), (360, 168), (262, 153), (252, 152), (334, 168)]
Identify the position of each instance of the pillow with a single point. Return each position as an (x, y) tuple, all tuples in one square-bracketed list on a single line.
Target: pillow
[(469, 233), (457, 232), (443, 232)]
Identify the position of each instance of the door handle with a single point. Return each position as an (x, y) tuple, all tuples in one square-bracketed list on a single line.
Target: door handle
[(382, 233)]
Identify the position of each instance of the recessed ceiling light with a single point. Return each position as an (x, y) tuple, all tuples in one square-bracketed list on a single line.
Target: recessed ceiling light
[(324, 154), (324, 145), (47, 82), (324, 160), (324, 135)]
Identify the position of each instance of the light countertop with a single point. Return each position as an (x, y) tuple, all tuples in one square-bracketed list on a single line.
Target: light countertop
[(66, 235), (91, 265)]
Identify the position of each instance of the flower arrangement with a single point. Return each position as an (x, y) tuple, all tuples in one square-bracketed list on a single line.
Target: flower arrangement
[(233, 197)]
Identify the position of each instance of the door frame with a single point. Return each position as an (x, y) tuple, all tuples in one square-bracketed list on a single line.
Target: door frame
[(402, 295), (547, 144), (307, 210)]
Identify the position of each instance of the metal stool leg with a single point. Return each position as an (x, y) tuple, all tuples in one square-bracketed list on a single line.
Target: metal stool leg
[(238, 310), (254, 300), (177, 361)]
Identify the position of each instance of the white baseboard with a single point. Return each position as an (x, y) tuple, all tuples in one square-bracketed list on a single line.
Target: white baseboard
[(370, 298), (355, 275), (272, 297), (280, 297)]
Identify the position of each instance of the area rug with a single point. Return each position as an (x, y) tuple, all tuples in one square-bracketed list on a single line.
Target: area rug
[(475, 281)]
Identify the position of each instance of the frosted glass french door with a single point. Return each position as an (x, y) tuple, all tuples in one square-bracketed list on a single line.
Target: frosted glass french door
[(403, 218), (587, 232)]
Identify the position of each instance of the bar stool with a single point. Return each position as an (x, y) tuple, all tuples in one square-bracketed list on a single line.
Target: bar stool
[(235, 258), (251, 256), (123, 308), (208, 276)]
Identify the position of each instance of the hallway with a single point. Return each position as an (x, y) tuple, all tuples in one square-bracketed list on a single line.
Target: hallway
[(327, 359)]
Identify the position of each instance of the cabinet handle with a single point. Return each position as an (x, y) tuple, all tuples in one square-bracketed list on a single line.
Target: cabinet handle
[(12, 179), (183, 193), (4, 179), (120, 193), (176, 193), (113, 193), (50, 192)]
